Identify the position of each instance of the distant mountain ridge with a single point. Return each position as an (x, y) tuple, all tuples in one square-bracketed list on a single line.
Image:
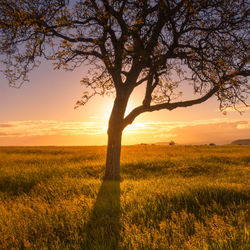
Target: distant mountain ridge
[(241, 142)]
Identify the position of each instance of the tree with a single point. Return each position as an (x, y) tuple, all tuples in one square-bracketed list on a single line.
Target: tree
[(160, 44)]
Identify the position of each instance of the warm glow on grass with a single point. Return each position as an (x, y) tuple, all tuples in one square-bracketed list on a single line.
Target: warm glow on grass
[(170, 197)]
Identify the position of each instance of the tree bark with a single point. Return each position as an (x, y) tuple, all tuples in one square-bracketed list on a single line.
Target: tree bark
[(113, 155), (115, 129)]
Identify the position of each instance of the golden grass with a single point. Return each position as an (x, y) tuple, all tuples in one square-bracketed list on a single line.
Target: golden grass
[(170, 197)]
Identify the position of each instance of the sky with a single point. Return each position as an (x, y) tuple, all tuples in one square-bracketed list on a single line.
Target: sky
[(42, 113)]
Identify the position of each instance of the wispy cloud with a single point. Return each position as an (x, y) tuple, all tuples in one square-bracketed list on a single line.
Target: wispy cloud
[(5, 125), (221, 133), (42, 127), (158, 127), (199, 131), (243, 125)]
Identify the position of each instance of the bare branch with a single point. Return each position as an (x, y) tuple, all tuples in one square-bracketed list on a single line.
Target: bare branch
[(169, 106)]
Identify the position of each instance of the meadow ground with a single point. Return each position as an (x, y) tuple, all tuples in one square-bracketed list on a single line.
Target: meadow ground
[(170, 197)]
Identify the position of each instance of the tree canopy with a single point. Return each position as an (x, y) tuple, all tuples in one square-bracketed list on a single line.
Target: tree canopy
[(162, 44), (132, 42)]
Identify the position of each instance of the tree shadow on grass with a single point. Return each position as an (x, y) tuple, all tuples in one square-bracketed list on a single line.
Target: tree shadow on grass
[(102, 231)]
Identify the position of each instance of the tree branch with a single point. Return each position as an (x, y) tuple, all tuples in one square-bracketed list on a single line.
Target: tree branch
[(169, 106)]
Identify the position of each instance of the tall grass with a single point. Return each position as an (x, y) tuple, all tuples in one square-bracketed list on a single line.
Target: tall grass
[(170, 197)]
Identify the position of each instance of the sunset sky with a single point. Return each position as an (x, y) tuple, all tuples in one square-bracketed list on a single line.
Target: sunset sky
[(41, 112)]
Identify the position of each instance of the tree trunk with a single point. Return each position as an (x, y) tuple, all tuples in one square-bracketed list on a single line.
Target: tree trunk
[(115, 129), (113, 155)]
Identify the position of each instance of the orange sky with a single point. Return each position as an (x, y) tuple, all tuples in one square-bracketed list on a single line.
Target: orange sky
[(42, 112)]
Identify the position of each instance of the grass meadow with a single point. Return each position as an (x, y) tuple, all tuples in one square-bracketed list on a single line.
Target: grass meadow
[(170, 197)]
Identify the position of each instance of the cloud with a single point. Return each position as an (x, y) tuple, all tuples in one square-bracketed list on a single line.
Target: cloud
[(219, 131), (160, 127), (3, 134), (243, 125), (43, 127), (5, 125)]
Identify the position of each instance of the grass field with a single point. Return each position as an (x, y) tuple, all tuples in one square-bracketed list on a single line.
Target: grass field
[(170, 197)]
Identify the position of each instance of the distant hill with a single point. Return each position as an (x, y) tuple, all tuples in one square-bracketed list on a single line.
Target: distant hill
[(241, 142)]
